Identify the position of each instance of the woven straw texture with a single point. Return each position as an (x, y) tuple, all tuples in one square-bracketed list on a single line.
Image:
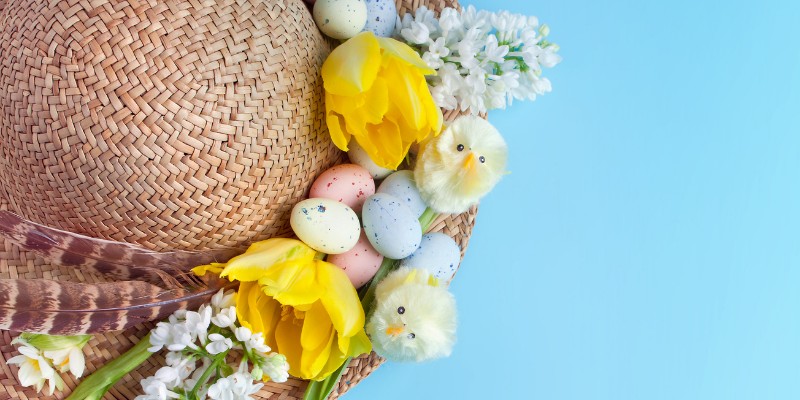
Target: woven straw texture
[(174, 124)]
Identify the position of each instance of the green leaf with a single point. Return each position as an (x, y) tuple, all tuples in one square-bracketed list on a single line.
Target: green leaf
[(320, 390), (98, 383)]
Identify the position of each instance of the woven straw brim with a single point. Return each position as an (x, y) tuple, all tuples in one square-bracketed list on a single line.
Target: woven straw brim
[(16, 263)]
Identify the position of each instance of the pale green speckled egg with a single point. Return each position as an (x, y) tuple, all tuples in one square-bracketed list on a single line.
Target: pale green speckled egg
[(340, 19), (325, 225)]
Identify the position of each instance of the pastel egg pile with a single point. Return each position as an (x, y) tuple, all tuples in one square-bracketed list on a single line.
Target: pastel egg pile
[(358, 226), (343, 19)]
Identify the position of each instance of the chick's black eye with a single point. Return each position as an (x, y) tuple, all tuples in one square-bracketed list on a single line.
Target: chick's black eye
[(411, 335), (460, 147), (482, 159), (401, 310)]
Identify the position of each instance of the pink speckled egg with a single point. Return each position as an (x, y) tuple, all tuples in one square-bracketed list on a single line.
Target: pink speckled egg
[(360, 263), (350, 184)]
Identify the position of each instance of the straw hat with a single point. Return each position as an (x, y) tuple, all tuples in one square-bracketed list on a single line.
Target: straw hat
[(187, 124)]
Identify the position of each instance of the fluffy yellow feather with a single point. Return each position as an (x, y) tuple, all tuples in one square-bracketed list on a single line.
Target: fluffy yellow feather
[(461, 165), (414, 317)]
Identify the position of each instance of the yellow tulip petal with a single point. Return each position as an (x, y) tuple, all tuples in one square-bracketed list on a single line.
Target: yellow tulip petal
[(335, 360), (262, 256), (359, 344), (368, 107), (316, 340), (388, 144), (276, 280), (338, 130), (404, 52), (303, 287), (270, 311), (317, 327), (403, 89), (246, 311), (340, 299), (215, 268), (351, 67), (287, 337)]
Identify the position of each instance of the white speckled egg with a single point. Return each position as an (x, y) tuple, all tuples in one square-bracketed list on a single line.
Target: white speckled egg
[(325, 225), (359, 263), (438, 254), (358, 156), (350, 184), (402, 186), (340, 19), (381, 17), (390, 226)]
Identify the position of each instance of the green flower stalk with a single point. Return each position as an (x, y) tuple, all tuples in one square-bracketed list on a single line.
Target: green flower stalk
[(320, 390), (97, 384)]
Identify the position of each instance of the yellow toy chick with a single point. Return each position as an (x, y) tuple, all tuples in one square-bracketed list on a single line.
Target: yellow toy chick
[(414, 318), (458, 167)]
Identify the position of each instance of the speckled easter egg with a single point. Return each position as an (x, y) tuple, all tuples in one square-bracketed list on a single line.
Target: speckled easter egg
[(340, 19), (390, 226), (325, 225), (359, 263), (438, 254), (381, 17), (349, 184), (401, 185), (358, 156)]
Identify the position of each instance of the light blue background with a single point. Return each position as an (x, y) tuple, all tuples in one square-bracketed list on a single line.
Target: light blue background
[(645, 245)]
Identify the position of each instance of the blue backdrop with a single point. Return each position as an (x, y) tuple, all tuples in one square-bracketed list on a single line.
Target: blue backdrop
[(645, 245)]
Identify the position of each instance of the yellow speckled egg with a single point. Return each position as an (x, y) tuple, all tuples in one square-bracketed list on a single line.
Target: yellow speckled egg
[(325, 225), (340, 19)]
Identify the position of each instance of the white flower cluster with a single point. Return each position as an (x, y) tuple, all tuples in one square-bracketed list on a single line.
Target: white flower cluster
[(199, 343), (483, 60), (43, 357)]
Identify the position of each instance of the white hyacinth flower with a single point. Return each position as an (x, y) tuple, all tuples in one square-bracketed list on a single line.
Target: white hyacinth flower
[(169, 375), (417, 33), (218, 344), (252, 342), (276, 367), (238, 386), (223, 299), (198, 322), (501, 49), (225, 318), (155, 389)]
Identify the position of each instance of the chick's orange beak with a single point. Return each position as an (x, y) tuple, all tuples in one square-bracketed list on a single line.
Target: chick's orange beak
[(394, 330), (470, 161)]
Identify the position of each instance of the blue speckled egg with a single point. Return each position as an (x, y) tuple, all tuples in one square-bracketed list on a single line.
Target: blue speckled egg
[(402, 186), (390, 226), (325, 225), (381, 17), (438, 254)]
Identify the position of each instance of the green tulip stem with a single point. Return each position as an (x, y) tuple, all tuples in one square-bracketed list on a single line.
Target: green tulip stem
[(320, 390), (98, 383), (427, 218)]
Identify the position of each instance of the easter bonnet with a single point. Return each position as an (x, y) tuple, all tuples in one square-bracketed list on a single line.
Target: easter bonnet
[(159, 159)]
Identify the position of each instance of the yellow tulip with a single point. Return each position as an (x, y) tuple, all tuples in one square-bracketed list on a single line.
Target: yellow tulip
[(376, 93), (306, 308)]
